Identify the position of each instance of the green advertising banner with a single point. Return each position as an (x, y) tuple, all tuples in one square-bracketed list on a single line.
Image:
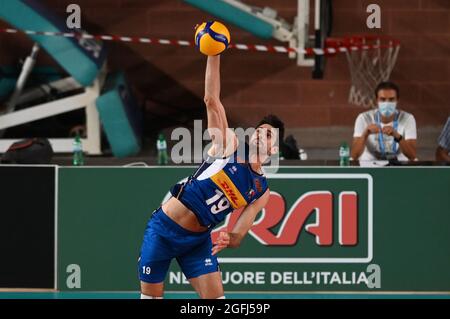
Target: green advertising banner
[(324, 229)]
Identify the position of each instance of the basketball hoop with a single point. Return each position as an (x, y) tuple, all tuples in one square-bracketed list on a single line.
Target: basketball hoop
[(371, 60)]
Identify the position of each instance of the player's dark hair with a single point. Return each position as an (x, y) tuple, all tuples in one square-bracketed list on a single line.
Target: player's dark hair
[(387, 86), (274, 121)]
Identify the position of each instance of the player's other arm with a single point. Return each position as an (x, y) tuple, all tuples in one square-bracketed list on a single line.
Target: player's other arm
[(242, 226), (223, 139)]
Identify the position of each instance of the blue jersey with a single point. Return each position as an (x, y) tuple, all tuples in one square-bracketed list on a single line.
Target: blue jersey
[(219, 186)]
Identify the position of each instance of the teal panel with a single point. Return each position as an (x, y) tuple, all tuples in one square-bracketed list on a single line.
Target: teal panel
[(81, 58), (235, 16)]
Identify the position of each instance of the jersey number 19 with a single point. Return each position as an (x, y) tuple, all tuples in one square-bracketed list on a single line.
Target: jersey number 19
[(219, 201)]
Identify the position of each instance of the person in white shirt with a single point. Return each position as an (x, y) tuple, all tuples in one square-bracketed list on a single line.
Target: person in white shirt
[(386, 132), (443, 150)]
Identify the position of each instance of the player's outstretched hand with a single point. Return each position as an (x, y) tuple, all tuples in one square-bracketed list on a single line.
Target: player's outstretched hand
[(222, 242)]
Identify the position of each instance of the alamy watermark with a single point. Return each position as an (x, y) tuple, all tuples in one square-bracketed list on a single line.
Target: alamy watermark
[(190, 148), (73, 20), (374, 19)]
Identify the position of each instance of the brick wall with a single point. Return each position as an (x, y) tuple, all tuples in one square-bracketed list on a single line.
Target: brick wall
[(170, 79)]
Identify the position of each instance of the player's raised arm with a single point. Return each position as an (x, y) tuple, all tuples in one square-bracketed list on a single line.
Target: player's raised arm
[(223, 138)]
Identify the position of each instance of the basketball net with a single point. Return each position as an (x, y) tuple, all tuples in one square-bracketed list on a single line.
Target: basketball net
[(371, 60)]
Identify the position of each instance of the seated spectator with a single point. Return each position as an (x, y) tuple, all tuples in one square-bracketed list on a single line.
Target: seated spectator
[(386, 132), (443, 150)]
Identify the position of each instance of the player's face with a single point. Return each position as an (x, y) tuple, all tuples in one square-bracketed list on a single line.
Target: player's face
[(265, 138)]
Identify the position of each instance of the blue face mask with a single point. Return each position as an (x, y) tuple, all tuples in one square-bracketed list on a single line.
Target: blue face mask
[(387, 108)]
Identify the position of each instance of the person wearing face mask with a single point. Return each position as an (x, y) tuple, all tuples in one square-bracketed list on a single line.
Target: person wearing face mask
[(443, 149), (386, 132)]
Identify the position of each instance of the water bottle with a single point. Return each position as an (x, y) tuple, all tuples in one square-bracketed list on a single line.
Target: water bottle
[(302, 154), (161, 146), (78, 158), (344, 154)]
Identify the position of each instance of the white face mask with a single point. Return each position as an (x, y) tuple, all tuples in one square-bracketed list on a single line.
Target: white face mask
[(387, 108)]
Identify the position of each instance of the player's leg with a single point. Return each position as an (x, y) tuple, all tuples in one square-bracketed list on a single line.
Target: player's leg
[(208, 286), (152, 291), (152, 271), (202, 269), (154, 261)]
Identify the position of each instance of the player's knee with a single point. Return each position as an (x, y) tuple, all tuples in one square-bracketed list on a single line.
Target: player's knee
[(152, 290)]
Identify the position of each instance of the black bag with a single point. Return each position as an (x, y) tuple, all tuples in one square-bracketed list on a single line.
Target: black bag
[(289, 148), (29, 151)]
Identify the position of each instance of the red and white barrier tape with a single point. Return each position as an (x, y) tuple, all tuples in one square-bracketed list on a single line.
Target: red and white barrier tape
[(247, 47)]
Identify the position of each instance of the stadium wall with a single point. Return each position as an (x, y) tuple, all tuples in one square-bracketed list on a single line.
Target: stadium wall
[(257, 83)]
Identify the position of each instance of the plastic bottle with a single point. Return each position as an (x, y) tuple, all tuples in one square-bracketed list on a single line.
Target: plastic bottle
[(344, 154), (78, 157), (302, 154), (161, 146)]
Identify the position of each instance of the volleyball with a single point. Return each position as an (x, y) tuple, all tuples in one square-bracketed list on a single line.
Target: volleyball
[(212, 38)]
